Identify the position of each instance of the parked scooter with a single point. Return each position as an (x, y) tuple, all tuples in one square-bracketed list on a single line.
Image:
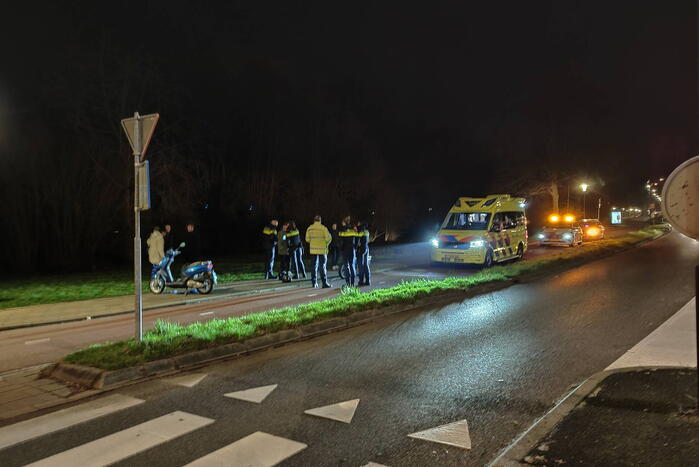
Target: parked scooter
[(199, 276)]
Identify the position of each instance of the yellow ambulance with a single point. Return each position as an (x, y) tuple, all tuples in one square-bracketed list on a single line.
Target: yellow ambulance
[(482, 231)]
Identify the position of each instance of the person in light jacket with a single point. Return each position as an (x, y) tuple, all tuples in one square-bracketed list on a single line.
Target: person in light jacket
[(318, 238), (156, 247)]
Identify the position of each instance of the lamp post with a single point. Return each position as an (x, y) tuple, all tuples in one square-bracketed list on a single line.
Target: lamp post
[(583, 187)]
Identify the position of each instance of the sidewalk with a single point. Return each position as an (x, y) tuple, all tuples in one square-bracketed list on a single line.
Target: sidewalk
[(641, 410)]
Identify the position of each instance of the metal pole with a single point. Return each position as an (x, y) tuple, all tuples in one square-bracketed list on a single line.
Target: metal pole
[(696, 317), (568, 199), (138, 303), (584, 211), (599, 206)]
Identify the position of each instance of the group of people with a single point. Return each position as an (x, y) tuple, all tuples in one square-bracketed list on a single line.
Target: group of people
[(160, 241), (350, 241)]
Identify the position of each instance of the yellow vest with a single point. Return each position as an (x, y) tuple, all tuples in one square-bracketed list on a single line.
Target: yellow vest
[(318, 238)]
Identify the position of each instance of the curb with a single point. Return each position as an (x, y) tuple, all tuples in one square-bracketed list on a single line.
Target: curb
[(95, 378), (513, 455)]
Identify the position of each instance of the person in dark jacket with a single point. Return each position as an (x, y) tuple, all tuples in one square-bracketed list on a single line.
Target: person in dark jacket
[(269, 240), (192, 240), (348, 245), (334, 247), (169, 238), (363, 272), (296, 251), (283, 252)]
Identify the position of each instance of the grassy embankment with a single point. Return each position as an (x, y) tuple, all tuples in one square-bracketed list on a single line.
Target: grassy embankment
[(167, 339), (70, 287)]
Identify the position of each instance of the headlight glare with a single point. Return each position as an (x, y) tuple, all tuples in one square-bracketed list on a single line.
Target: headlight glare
[(435, 243), (477, 243)]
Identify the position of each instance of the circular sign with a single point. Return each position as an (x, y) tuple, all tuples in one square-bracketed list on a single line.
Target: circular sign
[(680, 198)]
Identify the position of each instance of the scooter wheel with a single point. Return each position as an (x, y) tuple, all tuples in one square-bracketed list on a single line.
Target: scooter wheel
[(157, 285), (208, 287)]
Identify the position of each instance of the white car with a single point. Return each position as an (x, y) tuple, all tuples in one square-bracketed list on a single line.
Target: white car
[(560, 235)]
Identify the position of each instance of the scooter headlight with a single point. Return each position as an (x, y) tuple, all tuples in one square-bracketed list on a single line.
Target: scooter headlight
[(477, 243), (435, 243), (541, 236)]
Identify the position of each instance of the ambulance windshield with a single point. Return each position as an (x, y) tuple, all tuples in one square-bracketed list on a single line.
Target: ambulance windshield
[(467, 221)]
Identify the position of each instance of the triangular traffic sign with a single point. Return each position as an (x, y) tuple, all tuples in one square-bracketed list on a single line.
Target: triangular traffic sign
[(342, 411), (255, 395), (452, 434), (148, 123)]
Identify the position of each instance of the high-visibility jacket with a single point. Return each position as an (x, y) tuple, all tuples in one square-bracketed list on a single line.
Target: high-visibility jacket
[(363, 241), (269, 235), (348, 239), (294, 238), (318, 237)]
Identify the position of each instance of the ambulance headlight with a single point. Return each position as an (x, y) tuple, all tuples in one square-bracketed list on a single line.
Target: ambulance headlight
[(477, 243), (567, 236), (435, 243)]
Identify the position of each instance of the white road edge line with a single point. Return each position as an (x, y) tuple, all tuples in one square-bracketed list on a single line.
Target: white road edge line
[(37, 341), (62, 419), (129, 442)]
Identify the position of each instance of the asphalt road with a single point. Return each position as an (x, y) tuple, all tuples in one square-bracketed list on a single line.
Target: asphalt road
[(499, 361)]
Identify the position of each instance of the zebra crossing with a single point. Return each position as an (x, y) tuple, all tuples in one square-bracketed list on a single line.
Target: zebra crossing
[(258, 448)]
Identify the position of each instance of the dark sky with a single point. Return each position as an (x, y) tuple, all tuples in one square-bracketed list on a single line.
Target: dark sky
[(436, 89)]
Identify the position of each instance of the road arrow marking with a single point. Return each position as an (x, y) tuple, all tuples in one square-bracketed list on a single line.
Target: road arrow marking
[(257, 449), (187, 381), (342, 411), (453, 434), (255, 395)]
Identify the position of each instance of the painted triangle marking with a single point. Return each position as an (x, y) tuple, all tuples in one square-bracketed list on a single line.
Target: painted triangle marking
[(255, 395), (341, 412), (453, 434), (187, 381)]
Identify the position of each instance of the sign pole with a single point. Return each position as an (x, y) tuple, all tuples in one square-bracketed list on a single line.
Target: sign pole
[(138, 302)]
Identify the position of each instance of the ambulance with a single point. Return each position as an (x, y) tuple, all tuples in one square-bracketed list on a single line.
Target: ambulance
[(482, 231)]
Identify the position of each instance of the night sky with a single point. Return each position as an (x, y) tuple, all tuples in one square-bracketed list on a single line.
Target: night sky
[(445, 98)]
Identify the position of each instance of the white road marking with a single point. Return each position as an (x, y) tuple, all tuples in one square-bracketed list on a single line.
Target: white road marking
[(312, 295), (206, 313), (62, 419), (38, 341), (126, 443), (671, 344), (453, 434), (187, 381), (257, 449), (255, 395), (342, 411), (374, 464)]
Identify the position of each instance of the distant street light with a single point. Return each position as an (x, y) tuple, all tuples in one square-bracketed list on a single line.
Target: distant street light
[(583, 187)]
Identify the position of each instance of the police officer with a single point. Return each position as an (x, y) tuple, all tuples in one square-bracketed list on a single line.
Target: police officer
[(269, 235), (283, 251), (348, 245), (363, 272), (318, 238), (296, 251)]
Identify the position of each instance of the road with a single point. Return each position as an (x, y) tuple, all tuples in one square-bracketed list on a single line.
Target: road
[(498, 361)]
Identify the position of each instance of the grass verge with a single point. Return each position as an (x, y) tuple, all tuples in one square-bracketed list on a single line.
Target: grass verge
[(167, 339)]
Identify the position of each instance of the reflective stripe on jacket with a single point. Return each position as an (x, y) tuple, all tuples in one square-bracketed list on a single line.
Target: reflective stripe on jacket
[(318, 237), (294, 238)]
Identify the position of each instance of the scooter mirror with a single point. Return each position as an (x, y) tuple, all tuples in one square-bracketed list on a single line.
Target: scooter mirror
[(182, 245)]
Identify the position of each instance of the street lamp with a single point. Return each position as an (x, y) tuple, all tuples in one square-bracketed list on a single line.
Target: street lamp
[(583, 187)]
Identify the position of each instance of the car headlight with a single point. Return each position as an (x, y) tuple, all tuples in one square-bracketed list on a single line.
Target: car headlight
[(477, 243), (435, 243), (541, 236), (567, 236)]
